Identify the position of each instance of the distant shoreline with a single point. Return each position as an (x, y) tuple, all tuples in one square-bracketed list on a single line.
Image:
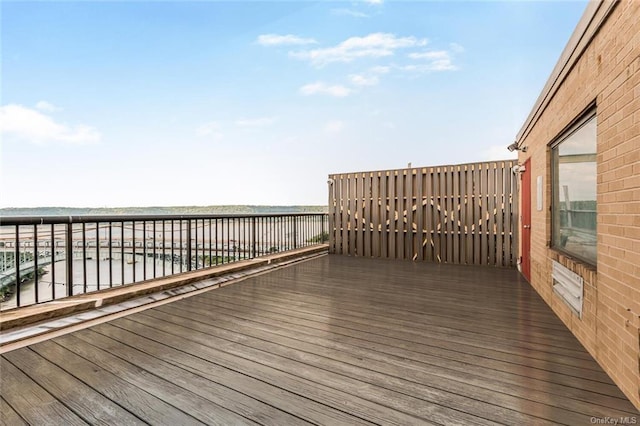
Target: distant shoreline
[(173, 210)]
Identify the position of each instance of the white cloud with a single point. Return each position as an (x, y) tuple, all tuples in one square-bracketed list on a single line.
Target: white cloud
[(380, 69), (439, 65), (374, 2), (361, 80), (210, 130), (436, 60), (349, 12), (325, 89), (255, 122), (442, 65), (47, 107), (375, 45), (334, 126), (35, 127), (278, 40), (432, 54), (456, 48), (417, 69)]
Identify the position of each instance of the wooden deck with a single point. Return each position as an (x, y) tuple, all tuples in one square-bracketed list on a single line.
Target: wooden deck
[(334, 340)]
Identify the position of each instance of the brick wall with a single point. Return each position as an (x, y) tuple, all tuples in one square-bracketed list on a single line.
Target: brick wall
[(609, 73)]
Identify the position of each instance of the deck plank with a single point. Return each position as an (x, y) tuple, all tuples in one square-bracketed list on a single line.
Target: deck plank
[(334, 341), (70, 350), (23, 395), (189, 353), (8, 416), (248, 404), (433, 389), (324, 374), (455, 340), (402, 363), (542, 338), (91, 390), (73, 401)]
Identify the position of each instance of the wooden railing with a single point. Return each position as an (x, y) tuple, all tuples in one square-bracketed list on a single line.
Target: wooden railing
[(465, 214)]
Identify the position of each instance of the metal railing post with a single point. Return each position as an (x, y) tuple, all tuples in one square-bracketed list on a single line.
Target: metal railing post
[(16, 260), (253, 237), (69, 258), (188, 244), (35, 263), (295, 232)]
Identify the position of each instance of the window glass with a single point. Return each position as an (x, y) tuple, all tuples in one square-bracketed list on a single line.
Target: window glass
[(574, 186)]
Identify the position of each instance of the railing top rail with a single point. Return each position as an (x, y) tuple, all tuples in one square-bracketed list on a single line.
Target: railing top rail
[(48, 220)]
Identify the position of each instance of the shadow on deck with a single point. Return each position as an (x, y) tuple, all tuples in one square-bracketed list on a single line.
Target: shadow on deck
[(333, 340)]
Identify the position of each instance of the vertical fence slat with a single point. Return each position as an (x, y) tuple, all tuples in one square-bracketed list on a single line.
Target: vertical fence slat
[(463, 214), (333, 211), (384, 214), (366, 214), (375, 214), (448, 194), (508, 203), (429, 211), (420, 234), (391, 244), (499, 193), (477, 220), (469, 212), (401, 215), (359, 213), (344, 249), (484, 211), (455, 216), (410, 204), (337, 217), (352, 214), (491, 176), (444, 214)]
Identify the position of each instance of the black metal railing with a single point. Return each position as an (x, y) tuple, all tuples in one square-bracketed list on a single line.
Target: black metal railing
[(51, 257)]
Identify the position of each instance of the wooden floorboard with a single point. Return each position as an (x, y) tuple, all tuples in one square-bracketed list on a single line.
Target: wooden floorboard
[(308, 381), (47, 381), (30, 401), (209, 394), (468, 344), (392, 391), (510, 339), (369, 353), (161, 396), (383, 373), (333, 341), (257, 400), (8, 416)]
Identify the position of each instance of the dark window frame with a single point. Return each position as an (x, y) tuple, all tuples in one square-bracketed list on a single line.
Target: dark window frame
[(588, 114)]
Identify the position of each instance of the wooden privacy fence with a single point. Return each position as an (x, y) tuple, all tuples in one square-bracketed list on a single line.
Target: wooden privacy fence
[(463, 214)]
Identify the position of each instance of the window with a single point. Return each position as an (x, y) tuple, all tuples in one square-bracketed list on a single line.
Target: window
[(574, 189)]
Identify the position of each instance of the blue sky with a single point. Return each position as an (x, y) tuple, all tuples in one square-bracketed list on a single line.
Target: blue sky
[(198, 103)]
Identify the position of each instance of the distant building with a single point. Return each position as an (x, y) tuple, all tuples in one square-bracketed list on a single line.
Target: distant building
[(579, 156)]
